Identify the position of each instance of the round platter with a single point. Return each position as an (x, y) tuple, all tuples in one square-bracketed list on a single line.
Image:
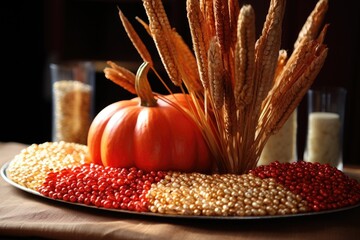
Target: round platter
[(18, 186)]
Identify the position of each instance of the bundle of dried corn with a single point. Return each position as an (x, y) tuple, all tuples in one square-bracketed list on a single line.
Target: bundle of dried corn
[(244, 88)]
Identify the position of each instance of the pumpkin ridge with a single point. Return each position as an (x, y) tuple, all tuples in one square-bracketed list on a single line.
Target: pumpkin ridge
[(150, 141), (115, 145)]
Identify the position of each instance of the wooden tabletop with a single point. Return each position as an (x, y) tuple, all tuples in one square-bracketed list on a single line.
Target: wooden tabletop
[(28, 216)]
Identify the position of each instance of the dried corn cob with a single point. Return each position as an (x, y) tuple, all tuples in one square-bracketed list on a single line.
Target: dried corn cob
[(196, 21), (160, 30), (312, 26), (216, 74)]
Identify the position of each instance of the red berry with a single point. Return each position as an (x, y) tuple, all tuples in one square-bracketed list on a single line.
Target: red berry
[(321, 185), (101, 186)]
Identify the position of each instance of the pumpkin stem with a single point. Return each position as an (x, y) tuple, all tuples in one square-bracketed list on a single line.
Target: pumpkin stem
[(143, 88)]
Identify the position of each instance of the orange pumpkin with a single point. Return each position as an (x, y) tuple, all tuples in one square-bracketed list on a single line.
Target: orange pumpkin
[(150, 134)]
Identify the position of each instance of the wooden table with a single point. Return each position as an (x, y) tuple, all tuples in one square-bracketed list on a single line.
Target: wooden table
[(27, 216)]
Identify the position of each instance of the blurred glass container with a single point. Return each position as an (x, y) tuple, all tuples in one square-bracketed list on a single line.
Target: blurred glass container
[(326, 110), (73, 85)]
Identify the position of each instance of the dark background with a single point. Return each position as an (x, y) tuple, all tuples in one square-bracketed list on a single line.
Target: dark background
[(35, 33)]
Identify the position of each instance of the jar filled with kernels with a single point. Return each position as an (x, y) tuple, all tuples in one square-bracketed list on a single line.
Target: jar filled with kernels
[(73, 100)]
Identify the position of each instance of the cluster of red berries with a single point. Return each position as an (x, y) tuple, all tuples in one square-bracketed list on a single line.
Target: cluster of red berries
[(91, 184), (324, 187)]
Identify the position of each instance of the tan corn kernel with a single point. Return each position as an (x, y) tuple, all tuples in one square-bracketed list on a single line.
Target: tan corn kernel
[(29, 168), (222, 195)]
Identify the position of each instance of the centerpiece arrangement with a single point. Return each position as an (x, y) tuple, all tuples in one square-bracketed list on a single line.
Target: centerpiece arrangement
[(195, 152), (241, 90)]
